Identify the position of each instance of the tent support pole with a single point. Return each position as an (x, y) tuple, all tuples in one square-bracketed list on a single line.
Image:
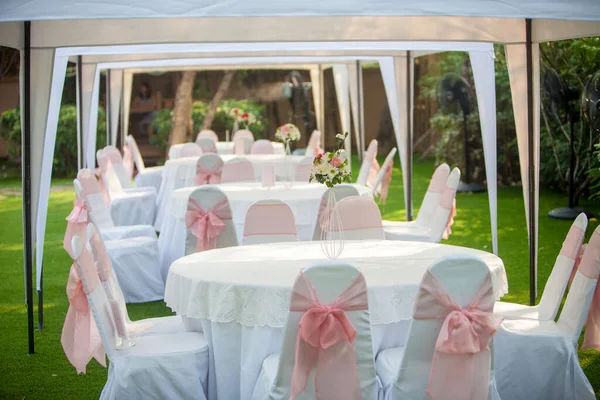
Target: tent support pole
[(122, 108), (360, 147), (531, 164), (80, 146), (40, 294), (26, 182), (107, 109), (322, 106), (409, 138)]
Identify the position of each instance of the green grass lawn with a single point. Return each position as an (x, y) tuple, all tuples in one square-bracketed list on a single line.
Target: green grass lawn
[(48, 375)]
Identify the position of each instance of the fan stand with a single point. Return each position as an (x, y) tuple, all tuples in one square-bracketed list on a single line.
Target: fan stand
[(467, 186), (569, 213)]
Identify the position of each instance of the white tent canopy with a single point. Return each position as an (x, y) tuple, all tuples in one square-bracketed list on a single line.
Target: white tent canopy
[(61, 29)]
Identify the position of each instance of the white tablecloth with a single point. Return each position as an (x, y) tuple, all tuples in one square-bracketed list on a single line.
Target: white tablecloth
[(303, 198), (239, 297), (223, 148), (180, 173)]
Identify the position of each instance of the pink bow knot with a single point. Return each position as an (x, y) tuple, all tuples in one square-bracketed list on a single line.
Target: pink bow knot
[(79, 213), (323, 326), (207, 177), (206, 226), (465, 331)]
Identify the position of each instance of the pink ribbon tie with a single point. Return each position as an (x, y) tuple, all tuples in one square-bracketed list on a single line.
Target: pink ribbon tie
[(385, 184), (79, 213), (206, 226), (207, 177)]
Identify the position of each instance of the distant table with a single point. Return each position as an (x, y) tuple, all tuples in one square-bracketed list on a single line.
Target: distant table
[(239, 297), (224, 148)]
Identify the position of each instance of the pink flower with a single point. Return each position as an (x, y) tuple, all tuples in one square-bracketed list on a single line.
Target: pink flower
[(336, 161), (285, 128), (244, 115)]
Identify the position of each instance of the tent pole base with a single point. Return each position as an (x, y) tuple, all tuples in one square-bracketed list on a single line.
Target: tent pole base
[(568, 213)]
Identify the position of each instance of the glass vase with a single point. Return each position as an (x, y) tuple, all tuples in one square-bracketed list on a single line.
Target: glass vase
[(332, 236), (290, 168)]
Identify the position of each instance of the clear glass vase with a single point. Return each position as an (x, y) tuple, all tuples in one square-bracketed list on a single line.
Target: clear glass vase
[(332, 236), (290, 167)]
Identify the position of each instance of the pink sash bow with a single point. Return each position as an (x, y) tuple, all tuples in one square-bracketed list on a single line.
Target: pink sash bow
[(385, 183), (128, 161), (206, 226), (79, 213), (80, 338), (461, 363), (326, 335), (207, 178)]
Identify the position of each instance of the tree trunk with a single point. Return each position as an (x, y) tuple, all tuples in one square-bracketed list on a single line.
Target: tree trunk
[(182, 109), (214, 103)]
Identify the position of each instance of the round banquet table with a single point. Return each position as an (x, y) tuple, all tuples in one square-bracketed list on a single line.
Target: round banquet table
[(180, 173), (303, 198), (239, 298), (223, 148)]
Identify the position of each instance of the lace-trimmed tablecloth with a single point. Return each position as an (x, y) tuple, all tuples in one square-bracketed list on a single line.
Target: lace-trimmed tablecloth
[(251, 285)]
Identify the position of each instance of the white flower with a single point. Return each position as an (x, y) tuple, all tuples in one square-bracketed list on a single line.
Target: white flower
[(340, 136)]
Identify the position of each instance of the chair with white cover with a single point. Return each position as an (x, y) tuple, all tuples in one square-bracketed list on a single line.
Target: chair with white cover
[(341, 191), (440, 223), (338, 335), (209, 169), (124, 217), (360, 219), (456, 295), (384, 177), (538, 359), (208, 133), (304, 169), (112, 154), (209, 221), (146, 176), (431, 200), (262, 146), (238, 169), (169, 366), (242, 145), (367, 175), (314, 144), (242, 133), (143, 327), (557, 282), (269, 221), (207, 145), (190, 150)]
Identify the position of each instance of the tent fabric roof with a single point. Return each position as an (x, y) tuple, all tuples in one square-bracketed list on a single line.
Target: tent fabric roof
[(19, 10)]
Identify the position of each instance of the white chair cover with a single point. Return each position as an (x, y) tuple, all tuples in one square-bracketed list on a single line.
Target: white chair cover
[(146, 177), (110, 154), (209, 215), (314, 144), (238, 169), (360, 218), (269, 221), (173, 366), (304, 169), (440, 222), (538, 359), (209, 169), (406, 372), (208, 133), (242, 145), (367, 176), (262, 146), (242, 133), (384, 177), (341, 191), (190, 150), (207, 145), (329, 280), (144, 327), (556, 284), (87, 189)]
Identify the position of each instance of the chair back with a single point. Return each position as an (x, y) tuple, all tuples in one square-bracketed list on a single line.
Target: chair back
[(384, 177), (563, 267), (314, 144), (111, 155), (110, 179), (208, 220), (269, 221), (433, 195), (443, 217), (367, 175), (242, 145), (238, 169), (207, 145), (87, 188), (451, 284), (579, 299), (304, 169), (328, 283), (242, 133), (341, 191), (262, 146), (209, 169), (190, 150), (135, 152), (360, 218), (208, 133)]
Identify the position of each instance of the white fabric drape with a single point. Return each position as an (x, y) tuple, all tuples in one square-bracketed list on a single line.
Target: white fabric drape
[(340, 78), (317, 86), (89, 130), (484, 75), (127, 86), (516, 57), (354, 104), (116, 92), (88, 72)]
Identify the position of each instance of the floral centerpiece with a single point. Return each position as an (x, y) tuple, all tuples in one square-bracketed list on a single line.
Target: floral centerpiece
[(241, 117), (332, 168), (287, 133)]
